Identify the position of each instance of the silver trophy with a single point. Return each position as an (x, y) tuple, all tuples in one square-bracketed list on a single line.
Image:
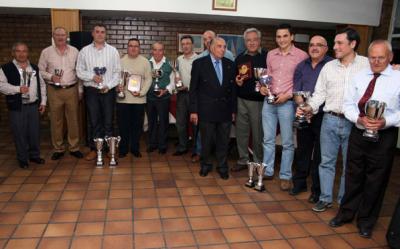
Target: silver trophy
[(113, 143), (258, 73), (59, 73), (260, 168), (99, 147), (374, 109), (100, 71), (26, 76), (122, 82), (266, 80), (301, 97), (178, 82), (251, 166), (157, 73)]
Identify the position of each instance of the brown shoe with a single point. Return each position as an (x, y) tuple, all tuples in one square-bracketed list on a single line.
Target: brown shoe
[(285, 185), (195, 158), (91, 156)]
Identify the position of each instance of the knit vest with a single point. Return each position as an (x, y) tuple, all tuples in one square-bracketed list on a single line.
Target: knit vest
[(163, 82)]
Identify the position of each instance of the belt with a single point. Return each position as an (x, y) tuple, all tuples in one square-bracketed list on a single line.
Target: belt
[(339, 115), (32, 103), (62, 86)]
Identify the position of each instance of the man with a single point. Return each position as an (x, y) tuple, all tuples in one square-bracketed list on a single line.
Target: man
[(184, 62), (57, 67), (334, 78), (130, 110), (213, 105), (208, 36), (249, 101), (25, 93), (281, 63), (99, 68), (158, 101), (308, 154), (369, 163)]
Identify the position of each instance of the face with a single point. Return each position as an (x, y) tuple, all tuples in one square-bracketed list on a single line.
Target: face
[(252, 42), (283, 38), (187, 46), (157, 51), (379, 57), (317, 47), (133, 48), (218, 49), (21, 53), (343, 47), (207, 37), (60, 37), (99, 34)]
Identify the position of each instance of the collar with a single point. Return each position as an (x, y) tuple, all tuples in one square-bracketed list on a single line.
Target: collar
[(279, 52), (94, 46), (213, 59), (58, 50), (357, 58), (190, 57), (387, 72), (163, 60), (325, 59), (246, 52), (17, 65)]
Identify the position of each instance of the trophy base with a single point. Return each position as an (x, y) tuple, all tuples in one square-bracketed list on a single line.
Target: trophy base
[(371, 137), (99, 165), (271, 99), (113, 164), (120, 96), (300, 124), (250, 184), (260, 188)]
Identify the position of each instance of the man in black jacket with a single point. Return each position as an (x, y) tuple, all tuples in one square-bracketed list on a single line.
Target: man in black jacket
[(213, 105)]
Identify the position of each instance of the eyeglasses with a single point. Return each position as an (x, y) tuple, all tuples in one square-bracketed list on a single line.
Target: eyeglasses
[(318, 45), (377, 59)]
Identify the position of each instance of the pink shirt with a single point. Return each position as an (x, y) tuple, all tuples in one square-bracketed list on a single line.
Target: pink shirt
[(281, 68)]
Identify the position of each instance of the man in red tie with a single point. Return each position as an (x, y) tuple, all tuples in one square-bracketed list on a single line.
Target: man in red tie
[(369, 162)]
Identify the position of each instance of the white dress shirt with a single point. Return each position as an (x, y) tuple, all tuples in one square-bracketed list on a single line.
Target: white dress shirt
[(185, 67)]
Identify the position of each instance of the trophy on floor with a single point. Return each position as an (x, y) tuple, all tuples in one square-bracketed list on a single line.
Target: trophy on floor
[(122, 83), (59, 73), (260, 168), (258, 73), (266, 80), (100, 71), (157, 73), (178, 81), (374, 109), (99, 147), (113, 143), (251, 169), (301, 97)]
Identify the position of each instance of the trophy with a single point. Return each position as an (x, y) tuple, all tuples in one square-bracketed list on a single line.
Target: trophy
[(99, 146), (300, 98), (251, 169), (26, 76), (59, 73), (157, 73), (258, 72), (122, 83), (374, 109), (266, 80), (100, 71), (178, 83), (260, 168), (112, 143)]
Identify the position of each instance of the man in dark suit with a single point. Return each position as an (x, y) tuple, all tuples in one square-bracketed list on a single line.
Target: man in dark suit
[(213, 105)]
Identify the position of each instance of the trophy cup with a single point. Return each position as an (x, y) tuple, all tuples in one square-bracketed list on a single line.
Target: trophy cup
[(266, 80), (100, 71), (26, 76), (374, 109), (260, 168), (99, 146), (258, 72), (122, 83), (112, 143), (157, 73), (300, 98), (178, 83), (251, 168), (59, 73)]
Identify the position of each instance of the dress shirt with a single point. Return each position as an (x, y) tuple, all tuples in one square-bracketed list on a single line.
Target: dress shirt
[(185, 67), (332, 82), (90, 57), (219, 68), (281, 67), (228, 54), (171, 85), (9, 89), (52, 58), (387, 89)]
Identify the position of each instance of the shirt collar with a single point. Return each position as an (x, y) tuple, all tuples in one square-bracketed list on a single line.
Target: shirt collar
[(17, 65), (161, 62), (387, 72), (94, 46), (278, 50), (324, 60), (246, 52), (58, 51), (213, 59), (357, 59)]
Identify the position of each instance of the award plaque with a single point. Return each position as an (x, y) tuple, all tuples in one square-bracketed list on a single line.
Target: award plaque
[(134, 83), (245, 70)]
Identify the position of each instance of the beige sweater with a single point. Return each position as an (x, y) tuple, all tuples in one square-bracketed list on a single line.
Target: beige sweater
[(140, 66)]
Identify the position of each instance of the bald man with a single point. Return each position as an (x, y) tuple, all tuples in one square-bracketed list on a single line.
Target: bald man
[(208, 35)]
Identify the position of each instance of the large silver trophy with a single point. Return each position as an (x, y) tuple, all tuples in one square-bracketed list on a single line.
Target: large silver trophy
[(374, 109), (266, 80), (26, 76), (113, 143), (258, 73), (122, 83), (301, 97), (260, 168), (100, 71), (178, 82), (99, 147), (59, 73), (157, 73), (251, 166)]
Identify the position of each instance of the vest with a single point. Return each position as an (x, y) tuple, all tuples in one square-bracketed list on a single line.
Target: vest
[(163, 82)]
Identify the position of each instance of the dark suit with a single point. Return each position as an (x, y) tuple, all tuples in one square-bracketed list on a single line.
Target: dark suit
[(214, 103)]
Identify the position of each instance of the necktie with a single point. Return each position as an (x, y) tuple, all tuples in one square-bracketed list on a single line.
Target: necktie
[(218, 71), (367, 94)]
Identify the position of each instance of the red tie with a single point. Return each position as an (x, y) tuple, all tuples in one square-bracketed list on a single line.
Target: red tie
[(367, 95)]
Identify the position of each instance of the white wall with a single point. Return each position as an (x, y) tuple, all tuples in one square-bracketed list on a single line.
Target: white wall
[(363, 12)]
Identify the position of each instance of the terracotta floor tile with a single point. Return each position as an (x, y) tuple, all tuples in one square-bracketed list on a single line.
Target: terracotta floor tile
[(89, 242), (198, 211), (172, 212), (189, 191), (49, 196), (169, 202), (11, 218), (346, 228), (94, 204), (207, 237), (69, 205), (195, 200), (292, 231), (147, 213), (238, 235), (223, 209), (247, 208), (147, 226), (305, 216), (265, 233), (270, 207), (239, 198), (24, 196), (229, 221), (167, 192), (51, 243), (317, 229), (6, 231), (119, 214), (275, 244), (255, 220), (62, 217), (59, 230), (120, 194), (43, 206), (29, 231), (149, 241), (22, 243), (333, 242), (92, 216), (118, 242), (220, 246), (301, 243), (119, 203), (380, 237), (280, 218), (73, 195), (18, 206), (175, 225), (203, 223), (95, 228), (118, 227), (144, 202), (177, 239), (96, 194), (211, 190), (216, 199), (358, 242)]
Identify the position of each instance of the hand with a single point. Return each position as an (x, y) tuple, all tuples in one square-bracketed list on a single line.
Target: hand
[(194, 118), (23, 89), (264, 90), (120, 88), (239, 79), (162, 92), (282, 98), (371, 124), (55, 79), (105, 89), (307, 110), (97, 79), (42, 109), (233, 117)]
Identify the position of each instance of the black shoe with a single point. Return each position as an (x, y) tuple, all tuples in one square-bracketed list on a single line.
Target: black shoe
[(76, 154), (23, 164), (162, 151), (295, 191), (321, 206), (151, 149), (314, 198), (180, 153), (203, 172), (224, 176), (37, 160), (57, 155), (136, 154), (365, 232), (337, 222)]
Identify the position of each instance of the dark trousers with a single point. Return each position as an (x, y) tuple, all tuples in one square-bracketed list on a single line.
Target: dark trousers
[(100, 108), (25, 129), (182, 120), (215, 134), (308, 155), (158, 119), (130, 124), (367, 174)]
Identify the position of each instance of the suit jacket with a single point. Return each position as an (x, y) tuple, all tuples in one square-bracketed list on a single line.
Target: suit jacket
[(210, 100)]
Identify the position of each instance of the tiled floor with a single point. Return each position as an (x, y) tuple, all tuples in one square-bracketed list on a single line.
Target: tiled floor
[(159, 202)]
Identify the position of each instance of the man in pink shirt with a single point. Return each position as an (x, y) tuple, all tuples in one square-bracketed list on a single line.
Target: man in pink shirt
[(281, 64)]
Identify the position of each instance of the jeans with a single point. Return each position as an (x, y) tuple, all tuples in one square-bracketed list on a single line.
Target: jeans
[(335, 132), (271, 114)]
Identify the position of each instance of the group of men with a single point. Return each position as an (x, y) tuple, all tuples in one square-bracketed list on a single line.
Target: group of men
[(216, 91)]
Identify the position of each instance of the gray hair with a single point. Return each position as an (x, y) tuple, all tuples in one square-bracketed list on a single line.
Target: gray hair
[(250, 30), (213, 41), (19, 43), (159, 43), (381, 41), (59, 27)]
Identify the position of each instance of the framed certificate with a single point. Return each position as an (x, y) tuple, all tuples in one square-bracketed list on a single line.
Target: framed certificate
[(134, 83)]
